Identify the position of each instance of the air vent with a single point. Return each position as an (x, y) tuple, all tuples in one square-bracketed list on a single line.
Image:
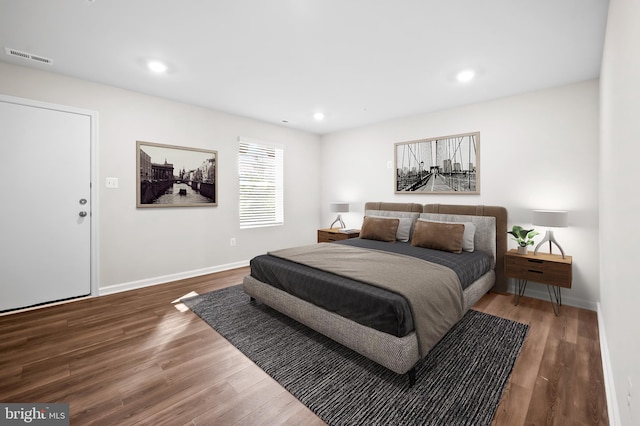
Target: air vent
[(29, 56)]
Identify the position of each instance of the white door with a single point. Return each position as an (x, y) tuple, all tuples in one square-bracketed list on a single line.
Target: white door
[(45, 213)]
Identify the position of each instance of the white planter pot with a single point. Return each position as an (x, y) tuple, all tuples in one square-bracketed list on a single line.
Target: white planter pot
[(522, 250)]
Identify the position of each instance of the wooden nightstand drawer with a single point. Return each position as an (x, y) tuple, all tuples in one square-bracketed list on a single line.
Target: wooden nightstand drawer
[(334, 234), (541, 268)]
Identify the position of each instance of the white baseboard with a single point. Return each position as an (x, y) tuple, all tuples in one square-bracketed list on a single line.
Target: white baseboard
[(543, 294), (117, 288), (609, 386)]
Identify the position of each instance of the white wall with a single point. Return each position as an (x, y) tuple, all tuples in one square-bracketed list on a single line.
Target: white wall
[(538, 150), (620, 204), (146, 246)]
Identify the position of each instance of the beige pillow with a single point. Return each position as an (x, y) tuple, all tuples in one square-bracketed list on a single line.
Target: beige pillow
[(378, 228), (438, 236)]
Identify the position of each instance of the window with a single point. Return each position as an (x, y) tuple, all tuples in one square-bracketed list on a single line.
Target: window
[(260, 167)]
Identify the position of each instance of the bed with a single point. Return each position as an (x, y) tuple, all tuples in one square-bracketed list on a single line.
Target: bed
[(393, 293)]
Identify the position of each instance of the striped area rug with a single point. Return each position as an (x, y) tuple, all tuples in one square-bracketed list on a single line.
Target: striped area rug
[(460, 382)]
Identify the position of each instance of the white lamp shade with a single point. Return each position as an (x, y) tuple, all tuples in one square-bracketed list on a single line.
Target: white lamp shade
[(551, 218), (339, 207)]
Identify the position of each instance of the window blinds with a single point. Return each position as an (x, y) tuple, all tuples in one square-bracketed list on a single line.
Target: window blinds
[(260, 167)]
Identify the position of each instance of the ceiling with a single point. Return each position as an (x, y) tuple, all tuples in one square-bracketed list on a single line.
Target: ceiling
[(357, 61)]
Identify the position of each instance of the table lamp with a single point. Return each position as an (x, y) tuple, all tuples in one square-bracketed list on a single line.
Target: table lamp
[(339, 208), (550, 219)]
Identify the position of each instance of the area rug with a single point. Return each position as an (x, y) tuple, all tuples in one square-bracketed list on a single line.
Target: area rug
[(460, 382)]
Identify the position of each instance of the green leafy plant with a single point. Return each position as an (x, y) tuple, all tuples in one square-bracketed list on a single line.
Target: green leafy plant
[(524, 237)]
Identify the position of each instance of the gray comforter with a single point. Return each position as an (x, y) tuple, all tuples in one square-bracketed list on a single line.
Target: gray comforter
[(433, 291)]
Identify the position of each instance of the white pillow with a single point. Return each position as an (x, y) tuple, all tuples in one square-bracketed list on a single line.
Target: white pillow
[(404, 227), (468, 238)]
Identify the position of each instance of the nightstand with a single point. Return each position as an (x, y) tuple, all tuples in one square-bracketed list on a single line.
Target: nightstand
[(545, 268), (334, 234)]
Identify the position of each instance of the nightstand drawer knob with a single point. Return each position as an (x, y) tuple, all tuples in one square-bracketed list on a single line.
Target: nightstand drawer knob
[(535, 272)]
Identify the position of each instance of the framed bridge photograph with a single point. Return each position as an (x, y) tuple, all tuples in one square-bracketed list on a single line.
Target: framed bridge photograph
[(175, 176), (442, 165)]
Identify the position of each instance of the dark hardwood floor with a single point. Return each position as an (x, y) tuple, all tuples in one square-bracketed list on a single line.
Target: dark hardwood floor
[(140, 357)]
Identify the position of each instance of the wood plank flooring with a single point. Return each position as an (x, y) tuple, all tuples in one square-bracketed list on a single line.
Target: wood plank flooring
[(138, 357)]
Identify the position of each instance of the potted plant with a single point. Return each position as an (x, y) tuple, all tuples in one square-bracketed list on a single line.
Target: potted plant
[(524, 237)]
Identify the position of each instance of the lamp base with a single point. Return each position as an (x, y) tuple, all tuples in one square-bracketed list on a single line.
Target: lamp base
[(338, 219), (549, 237)]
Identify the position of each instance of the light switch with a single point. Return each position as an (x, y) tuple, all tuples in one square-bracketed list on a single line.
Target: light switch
[(112, 182)]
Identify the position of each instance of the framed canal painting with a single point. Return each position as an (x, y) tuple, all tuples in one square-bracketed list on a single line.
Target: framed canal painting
[(176, 176), (443, 165)]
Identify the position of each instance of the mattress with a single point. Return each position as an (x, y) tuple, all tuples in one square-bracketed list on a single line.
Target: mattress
[(363, 303)]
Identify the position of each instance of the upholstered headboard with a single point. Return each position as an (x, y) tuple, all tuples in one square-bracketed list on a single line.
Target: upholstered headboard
[(396, 207), (500, 213)]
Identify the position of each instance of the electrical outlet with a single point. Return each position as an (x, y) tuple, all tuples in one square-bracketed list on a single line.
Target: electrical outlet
[(232, 242), (389, 165)]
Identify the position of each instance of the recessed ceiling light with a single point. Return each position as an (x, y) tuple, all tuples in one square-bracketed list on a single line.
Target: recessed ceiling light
[(318, 116), (465, 76), (157, 66)]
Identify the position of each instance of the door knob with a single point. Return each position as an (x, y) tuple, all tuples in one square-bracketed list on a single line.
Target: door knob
[(83, 214)]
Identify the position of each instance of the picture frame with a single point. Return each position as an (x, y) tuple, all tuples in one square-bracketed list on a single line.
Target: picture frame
[(175, 176), (441, 165)]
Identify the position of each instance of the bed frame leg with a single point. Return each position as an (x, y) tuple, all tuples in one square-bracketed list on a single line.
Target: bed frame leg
[(252, 299), (412, 376)]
